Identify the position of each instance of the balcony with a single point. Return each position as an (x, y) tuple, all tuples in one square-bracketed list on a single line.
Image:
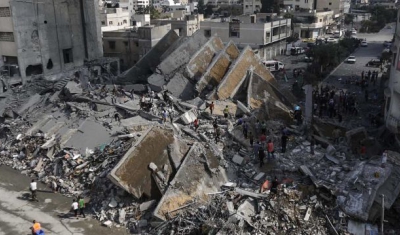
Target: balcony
[(279, 23), (312, 25)]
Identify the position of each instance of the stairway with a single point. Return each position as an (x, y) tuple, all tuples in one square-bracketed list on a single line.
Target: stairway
[(61, 84)]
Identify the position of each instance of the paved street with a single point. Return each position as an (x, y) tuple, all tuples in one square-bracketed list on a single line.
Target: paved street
[(17, 212)]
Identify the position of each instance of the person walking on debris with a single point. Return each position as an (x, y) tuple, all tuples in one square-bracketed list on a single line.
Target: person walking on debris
[(263, 128), (215, 124), (261, 156), (196, 124), (226, 112), (211, 108), (336, 135), (152, 95), (251, 138), (245, 129), (75, 207), (284, 139), (117, 117), (132, 94), (217, 134), (384, 158), (81, 203), (263, 139), (312, 145), (164, 116), (33, 189), (274, 185), (270, 149)]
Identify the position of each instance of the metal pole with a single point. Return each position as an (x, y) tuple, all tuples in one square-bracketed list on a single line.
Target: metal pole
[(383, 213)]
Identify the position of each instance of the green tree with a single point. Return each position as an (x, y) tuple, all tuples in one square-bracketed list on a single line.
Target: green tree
[(200, 7), (270, 6), (348, 18), (154, 13)]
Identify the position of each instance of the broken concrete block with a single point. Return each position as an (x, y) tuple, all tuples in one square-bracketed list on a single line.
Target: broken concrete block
[(238, 159), (330, 150), (108, 223), (243, 107), (189, 116), (230, 206), (308, 214), (259, 176), (147, 205), (332, 159)]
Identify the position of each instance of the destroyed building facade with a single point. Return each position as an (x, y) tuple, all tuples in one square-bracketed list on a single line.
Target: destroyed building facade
[(50, 36)]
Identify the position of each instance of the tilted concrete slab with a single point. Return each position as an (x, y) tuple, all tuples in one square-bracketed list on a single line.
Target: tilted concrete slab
[(198, 175), (200, 61), (132, 173), (147, 64), (182, 54), (246, 61), (218, 68)]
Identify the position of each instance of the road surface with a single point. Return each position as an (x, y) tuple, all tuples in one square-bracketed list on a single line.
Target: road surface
[(52, 210)]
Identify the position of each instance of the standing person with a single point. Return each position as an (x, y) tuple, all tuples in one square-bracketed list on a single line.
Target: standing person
[(196, 124), (171, 115), (261, 156), (245, 129), (81, 203), (117, 118), (132, 94), (152, 95), (263, 128), (263, 139), (217, 134), (33, 189), (55, 186), (270, 149), (211, 107), (251, 139), (284, 139), (312, 145), (75, 207), (226, 112), (164, 116), (384, 158), (336, 135), (258, 128)]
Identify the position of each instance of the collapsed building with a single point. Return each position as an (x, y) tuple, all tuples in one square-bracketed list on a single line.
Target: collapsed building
[(163, 177)]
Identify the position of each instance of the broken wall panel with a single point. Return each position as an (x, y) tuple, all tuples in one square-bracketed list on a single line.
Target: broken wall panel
[(132, 173), (199, 63)]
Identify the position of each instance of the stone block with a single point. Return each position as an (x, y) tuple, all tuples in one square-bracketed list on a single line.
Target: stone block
[(238, 159)]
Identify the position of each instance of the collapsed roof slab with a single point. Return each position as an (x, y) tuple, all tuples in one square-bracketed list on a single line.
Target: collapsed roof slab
[(198, 175), (200, 61), (218, 68), (132, 173), (182, 54), (147, 64), (246, 61)]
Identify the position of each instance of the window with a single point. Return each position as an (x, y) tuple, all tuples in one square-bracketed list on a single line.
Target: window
[(136, 44), (124, 21), (320, 20), (110, 23), (305, 1), (207, 32), (126, 43), (111, 44), (103, 23), (330, 4), (234, 35), (5, 12), (7, 36), (67, 54)]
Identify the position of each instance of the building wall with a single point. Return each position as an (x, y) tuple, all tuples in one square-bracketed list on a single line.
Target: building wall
[(54, 35), (303, 4), (114, 18), (392, 93), (315, 28), (251, 6), (8, 47), (136, 4), (185, 27)]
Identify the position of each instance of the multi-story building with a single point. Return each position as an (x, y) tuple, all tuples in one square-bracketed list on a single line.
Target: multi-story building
[(251, 6), (390, 4), (48, 36), (185, 26), (131, 45), (265, 34), (114, 19), (339, 7), (312, 23), (392, 92), (139, 4)]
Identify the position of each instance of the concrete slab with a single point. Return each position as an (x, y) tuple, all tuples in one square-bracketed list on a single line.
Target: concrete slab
[(132, 173), (238, 159), (33, 100)]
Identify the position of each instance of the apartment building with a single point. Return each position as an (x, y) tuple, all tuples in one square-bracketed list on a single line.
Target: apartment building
[(114, 19), (140, 4), (389, 4), (184, 26), (339, 7), (392, 92), (131, 45), (251, 6), (48, 36), (263, 32), (312, 23)]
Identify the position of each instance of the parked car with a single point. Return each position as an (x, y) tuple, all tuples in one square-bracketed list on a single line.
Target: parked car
[(351, 59), (374, 63), (387, 44), (274, 65), (308, 59), (331, 40), (364, 44), (297, 50)]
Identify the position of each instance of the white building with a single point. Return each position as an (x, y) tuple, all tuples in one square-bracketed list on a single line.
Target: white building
[(338, 7), (390, 4), (185, 25), (312, 23), (266, 36), (392, 92), (251, 6), (114, 19)]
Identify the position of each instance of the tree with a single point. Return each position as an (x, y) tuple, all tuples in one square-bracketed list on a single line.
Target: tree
[(270, 6), (200, 7), (154, 13), (348, 18)]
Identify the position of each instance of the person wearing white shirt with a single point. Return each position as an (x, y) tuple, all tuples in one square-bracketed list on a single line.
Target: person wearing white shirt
[(75, 207), (384, 158), (33, 188)]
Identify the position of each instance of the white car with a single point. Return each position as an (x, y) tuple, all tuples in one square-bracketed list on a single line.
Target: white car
[(332, 40), (353, 32), (351, 59), (364, 44)]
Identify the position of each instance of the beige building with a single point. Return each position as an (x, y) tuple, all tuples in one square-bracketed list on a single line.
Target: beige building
[(251, 6), (114, 19), (339, 7), (265, 34), (186, 25), (312, 23), (47, 37), (131, 45)]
